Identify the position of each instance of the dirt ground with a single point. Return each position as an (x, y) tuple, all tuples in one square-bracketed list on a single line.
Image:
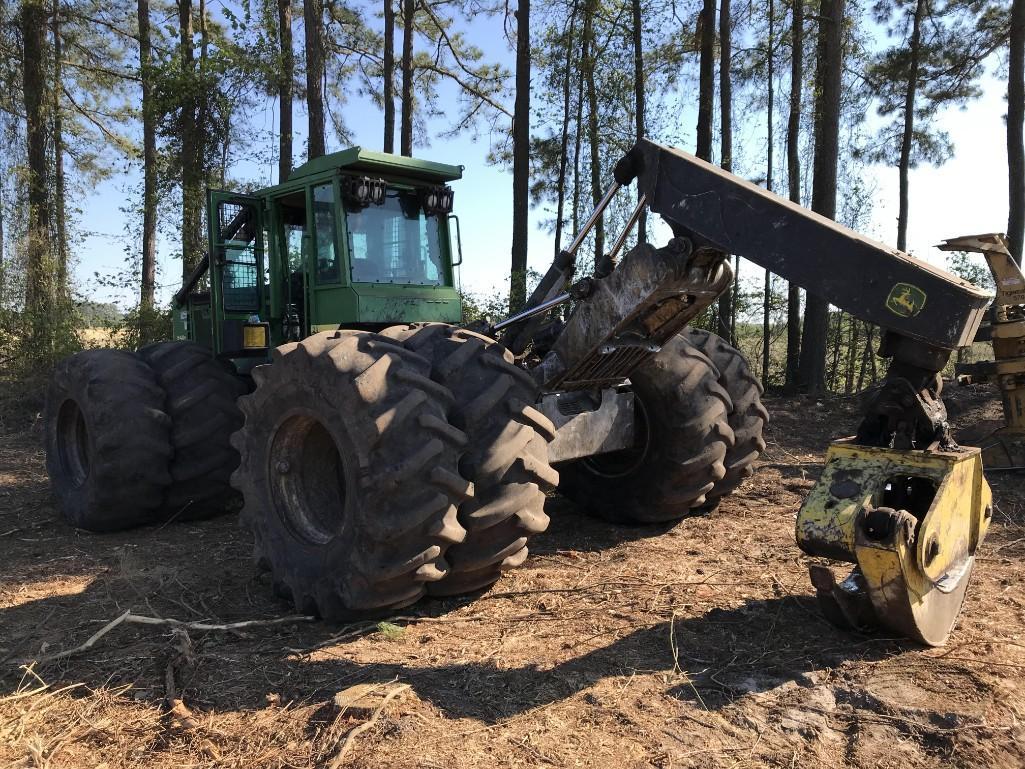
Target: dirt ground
[(696, 645)]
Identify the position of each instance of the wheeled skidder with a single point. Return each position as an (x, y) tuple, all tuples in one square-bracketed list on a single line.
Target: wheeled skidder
[(383, 452)]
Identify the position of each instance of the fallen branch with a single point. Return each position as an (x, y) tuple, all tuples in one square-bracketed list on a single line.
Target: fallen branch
[(230, 626), (350, 738), (138, 619)]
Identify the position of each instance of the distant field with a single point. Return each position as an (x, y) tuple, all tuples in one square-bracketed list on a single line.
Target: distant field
[(99, 337)]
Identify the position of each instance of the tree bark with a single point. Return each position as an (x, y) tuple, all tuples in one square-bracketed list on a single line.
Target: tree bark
[(560, 208), (148, 281), (794, 188), (313, 16), (908, 134), (1015, 125), (521, 160), (578, 137), (706, 79), (770, 67), (406, 129), (59, 191), (828, 77), (39, 293), (593, 139), (726, 305), (286, 78), (388, 74), (191, 147), (639, 96)]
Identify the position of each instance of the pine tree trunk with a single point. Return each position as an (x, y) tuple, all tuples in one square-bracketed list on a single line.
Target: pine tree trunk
[(388, 75), (828, 79), (1015, 125), (727, 322), (834, 368), (594, 145), (639, 95), (560, 208), (59, 201), (148, 282), (578, 135), (770, 67), (794, 188), (908, 134), (3, 253), (852, 352), (191, 148), (406, 129), (521, 160), (706, 79), (286, 78), (39, 294), (313, 16)]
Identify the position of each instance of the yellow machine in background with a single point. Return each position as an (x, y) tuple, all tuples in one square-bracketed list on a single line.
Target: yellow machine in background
[(1005, 448)]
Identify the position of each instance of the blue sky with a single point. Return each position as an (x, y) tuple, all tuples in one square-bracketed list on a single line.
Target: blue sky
[(966, 195)]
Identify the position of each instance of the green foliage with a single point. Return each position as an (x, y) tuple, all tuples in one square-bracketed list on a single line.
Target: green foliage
[(971, 267), (949, 61), (140, 326), (98, 314), (389, 631)]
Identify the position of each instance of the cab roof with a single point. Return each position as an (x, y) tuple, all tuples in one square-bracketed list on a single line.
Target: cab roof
[(360, 160)]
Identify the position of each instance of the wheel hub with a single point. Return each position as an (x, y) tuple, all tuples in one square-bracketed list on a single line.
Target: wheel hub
[(307, 479), (73, 442)]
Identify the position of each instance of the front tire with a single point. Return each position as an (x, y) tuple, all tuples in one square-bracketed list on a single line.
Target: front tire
[(350, 473), (506, 458), (108, 445), (682, 440)]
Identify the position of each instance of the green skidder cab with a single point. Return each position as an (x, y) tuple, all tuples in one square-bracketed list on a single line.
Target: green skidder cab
[(380, 452), (354, 239)]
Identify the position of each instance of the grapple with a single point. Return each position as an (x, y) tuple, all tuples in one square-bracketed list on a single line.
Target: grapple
[(910, 521)]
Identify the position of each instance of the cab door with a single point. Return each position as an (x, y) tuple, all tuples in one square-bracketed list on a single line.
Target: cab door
[(236, 237)]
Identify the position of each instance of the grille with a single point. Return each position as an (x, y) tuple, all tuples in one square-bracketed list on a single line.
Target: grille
[(601, 369)]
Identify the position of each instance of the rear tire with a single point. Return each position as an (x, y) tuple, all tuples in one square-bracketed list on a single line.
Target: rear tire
[(350, 473), (201, 394), (506, 458), (108, 445), (682, 440), (747, 417)]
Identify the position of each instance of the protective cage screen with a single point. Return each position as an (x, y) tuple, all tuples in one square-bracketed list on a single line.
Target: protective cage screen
[(239, 277)]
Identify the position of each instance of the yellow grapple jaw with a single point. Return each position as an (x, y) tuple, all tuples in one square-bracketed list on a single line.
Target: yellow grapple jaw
[(911, 522)]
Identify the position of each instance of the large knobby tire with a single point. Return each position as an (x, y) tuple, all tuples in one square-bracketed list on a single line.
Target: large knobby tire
[(682, 437), (747, 417), (108, 442), (201, 394), (350, 473), (506, 458)]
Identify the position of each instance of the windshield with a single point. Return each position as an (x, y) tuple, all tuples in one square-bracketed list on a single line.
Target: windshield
[(395, 242)]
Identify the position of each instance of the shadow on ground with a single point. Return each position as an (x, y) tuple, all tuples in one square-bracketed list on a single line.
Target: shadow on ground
[(711, 659)]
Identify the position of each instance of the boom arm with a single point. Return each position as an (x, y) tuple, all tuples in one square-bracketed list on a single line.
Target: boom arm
[(865, 278), (625, 313)]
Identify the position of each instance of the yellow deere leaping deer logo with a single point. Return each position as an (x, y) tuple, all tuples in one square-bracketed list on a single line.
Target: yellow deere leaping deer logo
[(905, 300)]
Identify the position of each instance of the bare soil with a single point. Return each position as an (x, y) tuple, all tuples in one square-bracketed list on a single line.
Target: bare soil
[(695, 645)]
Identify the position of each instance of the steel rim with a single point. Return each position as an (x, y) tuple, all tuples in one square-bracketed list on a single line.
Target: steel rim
[(73, 442), (307, 479)]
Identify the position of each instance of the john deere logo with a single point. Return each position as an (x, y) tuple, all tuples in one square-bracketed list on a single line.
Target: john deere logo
[(905, 300)]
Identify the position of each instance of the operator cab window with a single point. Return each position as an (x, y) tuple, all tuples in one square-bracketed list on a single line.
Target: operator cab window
[(324, 233), (395, 242)]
